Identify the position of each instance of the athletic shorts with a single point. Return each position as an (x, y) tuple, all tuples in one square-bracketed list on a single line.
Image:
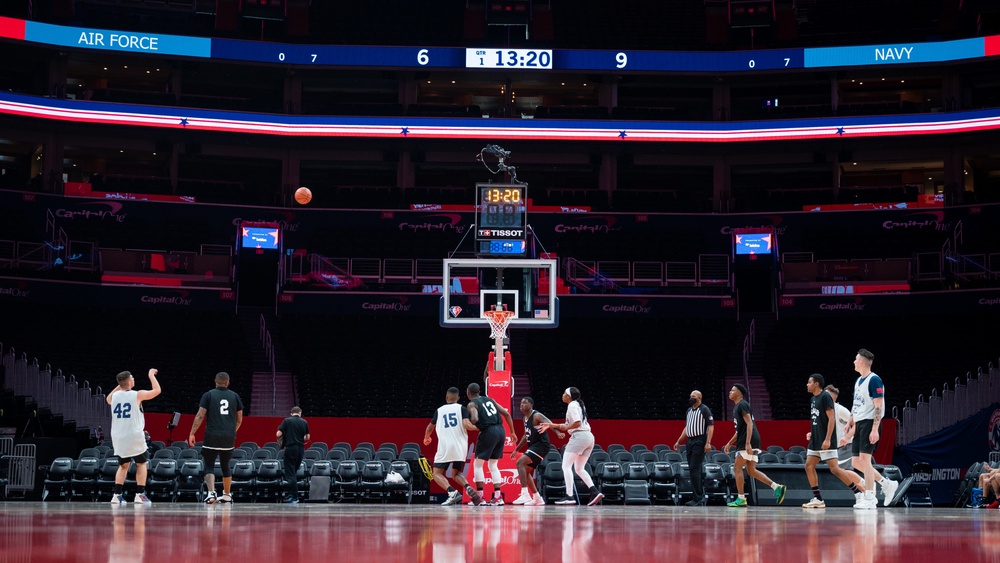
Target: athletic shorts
[(139, 458), (536, 453), (823, 455), (489, 445), (844, 455), (458, 466), (223, 455), (580, 442), (748, 457), (861, 445)]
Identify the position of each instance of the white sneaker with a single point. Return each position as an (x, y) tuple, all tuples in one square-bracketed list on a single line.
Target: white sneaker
[(869, 502), (536, 500), (523, 498), (859, 501), (141, 498), (814, 503), (226, 499), (211, 498), (454, 497), (118, 499), (889, 490)]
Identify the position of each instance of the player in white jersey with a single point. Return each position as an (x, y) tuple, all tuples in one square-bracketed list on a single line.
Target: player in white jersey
[(866, 417), (128, 435), (451, 424)]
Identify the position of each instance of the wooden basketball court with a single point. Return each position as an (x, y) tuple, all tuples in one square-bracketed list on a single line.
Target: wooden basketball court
[(61, 531)]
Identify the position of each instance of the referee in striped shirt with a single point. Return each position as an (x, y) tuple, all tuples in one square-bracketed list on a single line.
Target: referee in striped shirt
[(698, 434)]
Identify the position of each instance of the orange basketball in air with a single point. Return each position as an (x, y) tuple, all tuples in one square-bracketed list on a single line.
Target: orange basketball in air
[(303, 195)]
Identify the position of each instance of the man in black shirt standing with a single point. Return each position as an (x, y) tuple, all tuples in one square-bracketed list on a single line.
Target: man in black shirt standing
[(488, 416), (222, 411), (293, 435), (698, 431)]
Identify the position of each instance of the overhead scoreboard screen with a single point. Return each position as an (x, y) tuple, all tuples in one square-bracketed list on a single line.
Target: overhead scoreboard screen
[(501, 219)]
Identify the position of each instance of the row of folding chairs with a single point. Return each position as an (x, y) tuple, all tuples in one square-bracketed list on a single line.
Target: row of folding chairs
[(253, 480)]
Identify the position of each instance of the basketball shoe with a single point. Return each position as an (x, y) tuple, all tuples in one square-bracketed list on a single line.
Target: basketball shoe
[(454, 497), (118, 499), (814, 503), (211, 498), (141, 498), (523, 498), (779, 493), (889, 490), (536, 500)]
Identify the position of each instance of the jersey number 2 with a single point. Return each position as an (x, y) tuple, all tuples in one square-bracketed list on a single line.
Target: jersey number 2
[(224, 407)]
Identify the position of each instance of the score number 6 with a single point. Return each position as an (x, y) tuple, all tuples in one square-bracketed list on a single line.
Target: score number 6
[(422, 58)]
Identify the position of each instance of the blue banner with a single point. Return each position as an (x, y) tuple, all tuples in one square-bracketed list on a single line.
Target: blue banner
[(110, 40), (952, 450)]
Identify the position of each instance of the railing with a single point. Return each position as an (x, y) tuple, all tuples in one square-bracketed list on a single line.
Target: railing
[(77, 404), (954, 402), (268, 344)]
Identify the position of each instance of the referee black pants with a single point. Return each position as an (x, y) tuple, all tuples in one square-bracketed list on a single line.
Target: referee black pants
[(696, 458), (292, 460)]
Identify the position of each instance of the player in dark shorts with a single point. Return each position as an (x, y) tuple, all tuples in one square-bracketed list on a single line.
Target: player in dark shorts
[(488, 416), (538, 447), (222, 411), (747, 441)]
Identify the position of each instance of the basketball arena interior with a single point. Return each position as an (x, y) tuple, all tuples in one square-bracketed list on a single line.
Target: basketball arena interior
[(351, 207)]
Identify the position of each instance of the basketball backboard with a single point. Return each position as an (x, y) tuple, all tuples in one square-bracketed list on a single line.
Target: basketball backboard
[(527, 287)]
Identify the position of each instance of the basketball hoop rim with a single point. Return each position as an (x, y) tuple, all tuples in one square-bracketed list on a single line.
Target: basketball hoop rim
[(499, 321)]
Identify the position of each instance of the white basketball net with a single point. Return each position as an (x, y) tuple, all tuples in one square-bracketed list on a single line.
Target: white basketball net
[(499, 321)]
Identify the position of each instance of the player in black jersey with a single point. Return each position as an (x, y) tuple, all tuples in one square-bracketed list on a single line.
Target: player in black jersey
[(488, 416), (822, 438), (222, 409), (538, 447)]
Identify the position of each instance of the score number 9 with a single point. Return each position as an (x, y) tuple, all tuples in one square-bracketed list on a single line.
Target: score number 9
[(621, 59)]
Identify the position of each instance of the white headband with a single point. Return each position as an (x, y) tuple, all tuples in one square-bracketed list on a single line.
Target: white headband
[(567, 391)]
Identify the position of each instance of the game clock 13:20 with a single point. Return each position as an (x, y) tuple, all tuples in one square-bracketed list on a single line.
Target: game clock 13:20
[(501, 207)]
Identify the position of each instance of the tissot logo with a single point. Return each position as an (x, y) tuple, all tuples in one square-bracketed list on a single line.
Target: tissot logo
[(501, 232)]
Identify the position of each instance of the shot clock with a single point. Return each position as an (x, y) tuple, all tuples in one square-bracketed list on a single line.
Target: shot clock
[(501, 211)]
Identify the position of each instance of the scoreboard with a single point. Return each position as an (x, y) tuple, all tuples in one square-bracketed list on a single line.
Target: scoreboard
[(501, 219)]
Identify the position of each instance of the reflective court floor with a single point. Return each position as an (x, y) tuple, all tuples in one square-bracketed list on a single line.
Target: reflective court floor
[(39, 532)]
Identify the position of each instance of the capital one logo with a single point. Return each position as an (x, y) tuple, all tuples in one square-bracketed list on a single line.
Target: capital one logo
[(509, 477)]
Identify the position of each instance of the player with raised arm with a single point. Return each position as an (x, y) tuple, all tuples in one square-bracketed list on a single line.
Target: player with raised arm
[(538, 446), (128, 433)]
